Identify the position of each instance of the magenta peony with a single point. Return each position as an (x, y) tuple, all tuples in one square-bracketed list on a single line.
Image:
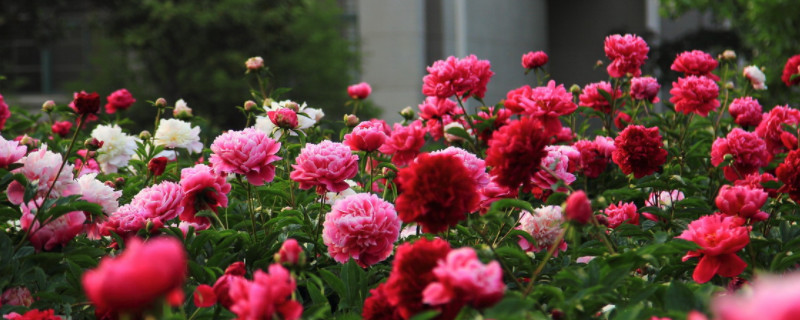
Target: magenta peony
[(119, 100), (748, 150), (5, 113), (359, 91), (771, 127), (719, 238), (459, 77), (645, 88), (366, 136), (202, 189), (742, 201), (770, 297), (161, 202), (463, 279), (363, 227), (533, 60), (545, 103), (249, 152), (695, 63), (578, 208), (268, 296), (617, 214), (595, 155), (404, 143), (745, 111), (592, 98), (627, 53), (326, 166), (695, 95)]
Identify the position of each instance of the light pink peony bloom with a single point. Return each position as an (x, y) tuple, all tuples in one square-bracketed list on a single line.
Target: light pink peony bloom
[(160, 202), (203, 189), (16, 296), (771, 127), (756, 77), (628, 53), (359, 91), (719, 238), (54, 232), (249, 152), (268, 296), (620, 213), (460, 77), (645, 88), (366, 136), (95, 191), (558, 164), (696, 63), (461, 278), (10, 152), (771, 297), (544, 226), (476, 166), (663, 200), (361, 226), (742, 201), (326, 166), (404, 143), (545, 103), (745, 111), (41, 167), (254, 63), (748, 150), (595, 155), (585, 259)]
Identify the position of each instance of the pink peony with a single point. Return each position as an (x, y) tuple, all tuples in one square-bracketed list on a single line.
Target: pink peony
[(367, 136), (436, 108), (546, 103), (595, 155), (54, 232), (16, 296), (359, 91), (719, 238), (160, 202), (592, 98), (249, 152), (34, 314), (745, 111), (203, 189), (544, 226), (578, 208), (268, 296), (695, 63), (755, 180), (326, 166), (460, 77), (363, 227), (645, 88), (41, 167), (283, 118), (223, 284), (404, 143), (617, 214), (476, 166), (290, 252), (5, 113), (748, 150), (757, 78), (493, 192), (628, 53), (119, 100), (742, 201), (61, 128), (461, 278), (771, 297), (555, 167), (533, 60), (695, 94), (10, 151), (771, 126), (84, 166), (94, 191)]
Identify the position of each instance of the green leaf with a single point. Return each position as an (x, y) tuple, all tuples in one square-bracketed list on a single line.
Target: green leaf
[(334, 282), (503, 204), (679, 297)]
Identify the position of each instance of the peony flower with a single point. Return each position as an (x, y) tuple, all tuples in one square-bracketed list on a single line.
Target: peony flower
[(459, 77), (326, 166), (742, 201), (223, 284), (306, 118), (412, 272), (284, 118), (555, 167), (533, 60), (86, 166), (493, 192), (378, 307), (791, 70), (248, 152), (592, 98), (544, 226), (499, 117), (695, 94), (770, 297), (332, 198), (86, 103), (617, 214), (16, 296), (119, 100), (203, 189), (645, 88), (745, 111), (771, 127), (254, 63), (367, 136), (516, 151), (118, 148), (719, 238), (174, 133), (663, 199), (475, 165), (578, 208), (756, 77), (695, 63), (33, 314), (755, 180), (404, 143), (290, 251), (545, 103), (94, 191), (181, 110), (10, 152), (268, 296), (157, 165), (204, 296), (788, 172), (5, 113), (461, 278), (595, 155), (639, 150), (41, 168), (436, 191), (359, 91), (748, 150), (125, 285), (61, 128), (127, 221), (436, 108), (628, 53), (161, 202), (363, 227)]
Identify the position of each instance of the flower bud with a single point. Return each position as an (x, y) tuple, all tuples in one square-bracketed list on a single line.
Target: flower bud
[(93, 144), (48, 106), (267, 102), (292, 106), (451, 137), (728, 55), (283, 118), (157, 165), (249, 105), (359, 91), (599, 63), (290, 253), (351, 120), (576, 89), (110, 184), (145, 135), (578, 208), (407, 113), (254, 63), (729, 85), (182, 110), (160, 103), (119, 182)]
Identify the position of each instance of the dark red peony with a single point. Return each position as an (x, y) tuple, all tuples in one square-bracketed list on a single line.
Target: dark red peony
[(792, 68), (788, 172), (86, 103), (639, 150), (516, 151), (378, 307)]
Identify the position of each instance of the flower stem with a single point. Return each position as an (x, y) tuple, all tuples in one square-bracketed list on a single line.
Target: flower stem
[(547, 257)]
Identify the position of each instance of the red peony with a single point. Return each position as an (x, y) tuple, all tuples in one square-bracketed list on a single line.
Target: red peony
[(771, 127), (61, 128), (742, 201), (595, 155), (33, 314), (545, 103), (745, 111), (755, 181), (157, 165), (592, 98), (516, 151), (378, 307), (617, 214), (788, 172), (499, 118), (695, 63), (639, 150), (204, 296), (436, 191), (460, 77), (223, 284), (792, 68), (404, 143), (359, 91), (627, 53), (719, 238), (119, 100), (645, 88), (86, 103), (622, 120), (748, 150), (533, 60), (578, 208), (5, 113), (695, 94)]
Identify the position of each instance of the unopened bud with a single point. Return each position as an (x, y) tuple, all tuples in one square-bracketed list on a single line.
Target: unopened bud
[(145, 135), (729, 85), (351, 120), (249, 105), (599, 63), (267, 102), (728, 55), (451, 137), (48, 106), (93, 144), (91, 155), (407, 113), (727, 157), (119, 182), (160, 103), (109, 184), (575, 89)]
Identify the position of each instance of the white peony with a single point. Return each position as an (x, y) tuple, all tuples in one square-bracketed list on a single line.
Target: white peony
[(174, 133), (756, 77), (40, 167), (181, 108), (332, 197), (94, 191), (264, 124), (117, 149)]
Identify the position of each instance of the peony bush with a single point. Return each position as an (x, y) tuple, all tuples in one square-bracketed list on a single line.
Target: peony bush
[(615, 200)]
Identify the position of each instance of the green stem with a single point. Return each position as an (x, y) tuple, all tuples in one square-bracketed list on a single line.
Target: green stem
[(250, 206), (499, 260), (547, 257)]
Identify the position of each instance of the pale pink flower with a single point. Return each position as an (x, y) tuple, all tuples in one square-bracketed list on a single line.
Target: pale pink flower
[(366, 136), (558, 164), (54, 232), (617, 214), (462, 278), (203, 189), (756, 77), (745, 111), (404, 143), (182, 109), (476, 166), (160, 202), (585, 259), (84, 166), (41, 168), (95, 191), (544, 226), (268, 296), (249, 152), (363, 227), (326, 166), (10, 152), (17, 296), (254, 63), (663, 200), (771, 297), (742, 201)]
